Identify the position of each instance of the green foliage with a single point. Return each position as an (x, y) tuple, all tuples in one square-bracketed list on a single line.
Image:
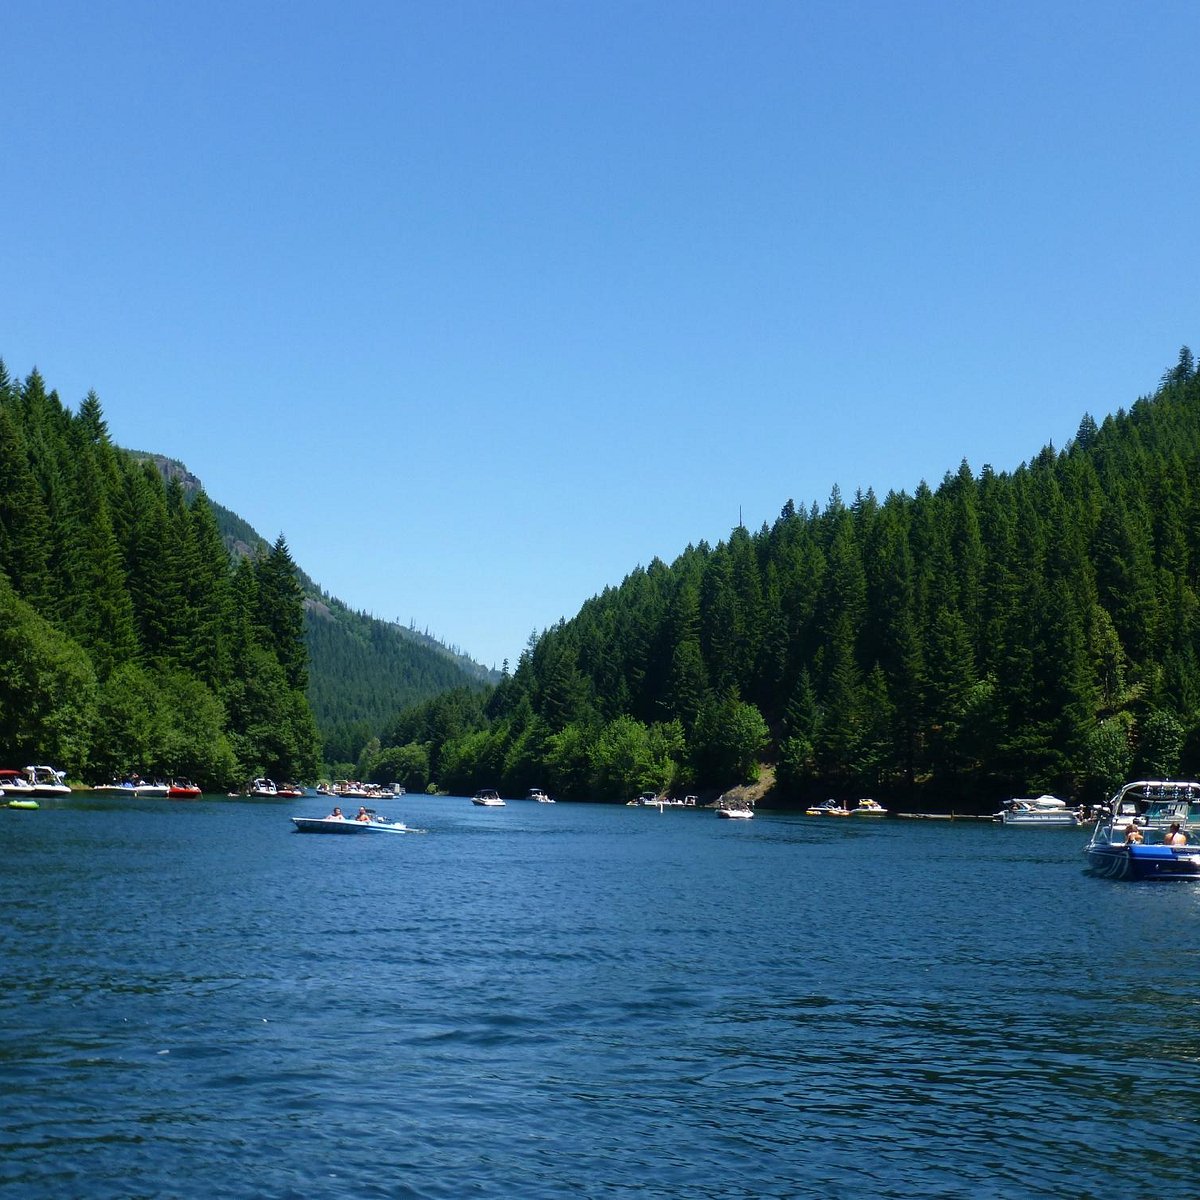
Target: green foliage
[(47, 688)]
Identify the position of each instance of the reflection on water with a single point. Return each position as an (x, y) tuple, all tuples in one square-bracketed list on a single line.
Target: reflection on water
[(553, 1000)]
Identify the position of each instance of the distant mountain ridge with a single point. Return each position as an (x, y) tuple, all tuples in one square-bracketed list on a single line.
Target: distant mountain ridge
[(362, 670)]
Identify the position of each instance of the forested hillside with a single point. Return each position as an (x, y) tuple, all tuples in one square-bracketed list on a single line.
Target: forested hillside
[(129, 639), (1001, 634), (361, 670)]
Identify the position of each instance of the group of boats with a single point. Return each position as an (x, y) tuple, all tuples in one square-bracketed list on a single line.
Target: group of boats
[(1150, 830), (490, 798), (353, 789), (173, 789), (654, 800), (22, 789), (835, 808)]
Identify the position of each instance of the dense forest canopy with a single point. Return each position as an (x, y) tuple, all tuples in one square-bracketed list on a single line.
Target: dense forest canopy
[(130, 639), (1004, 633)]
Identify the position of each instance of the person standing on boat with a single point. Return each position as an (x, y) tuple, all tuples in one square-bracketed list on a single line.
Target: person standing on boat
[(1176, 836)]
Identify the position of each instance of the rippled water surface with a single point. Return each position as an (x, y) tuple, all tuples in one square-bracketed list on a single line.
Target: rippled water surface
[(543, 1001)]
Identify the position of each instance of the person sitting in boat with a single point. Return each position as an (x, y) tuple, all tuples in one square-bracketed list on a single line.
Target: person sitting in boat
[(363, 815), (1133, 836), (336, 815), (1175, 836)]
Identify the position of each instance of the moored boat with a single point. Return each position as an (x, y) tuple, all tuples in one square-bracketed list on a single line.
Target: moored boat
[(868, 808), (831, 808), (1150, 830), (264, 789), (14, 785), (1039, 812), (646, 800), (487, 798), (182, 789), (47, 781)]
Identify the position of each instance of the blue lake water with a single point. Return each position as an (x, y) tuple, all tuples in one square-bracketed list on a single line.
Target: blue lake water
[(572, 1000)]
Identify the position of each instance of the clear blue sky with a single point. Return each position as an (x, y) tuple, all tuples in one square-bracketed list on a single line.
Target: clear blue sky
[(482, 305)]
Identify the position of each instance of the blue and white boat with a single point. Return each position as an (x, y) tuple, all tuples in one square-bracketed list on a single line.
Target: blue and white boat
[(348, 825), (1130, 840)]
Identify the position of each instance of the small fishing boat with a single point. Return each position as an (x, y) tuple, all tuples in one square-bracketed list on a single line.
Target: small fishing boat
[(345, 825), (487, 798), (1150, 830)]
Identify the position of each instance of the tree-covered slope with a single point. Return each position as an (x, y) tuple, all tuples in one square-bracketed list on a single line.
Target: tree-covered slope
[(129, 638), (361, 670), (1005, 631)]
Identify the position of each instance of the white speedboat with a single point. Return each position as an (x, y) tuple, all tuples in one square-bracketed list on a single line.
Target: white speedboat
[(264, 788), (735, 814), (538, 795), (345, 825), (487, 798), (151, 789), (46, 781), (868, 808)]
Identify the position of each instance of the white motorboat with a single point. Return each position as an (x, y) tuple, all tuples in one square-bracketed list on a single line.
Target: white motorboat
[(487, 798), (868, 808), (538, 795), (1042, 812), (264, 788), (345, 825), (735, 814), (15, 785), (151, 789), (46, 781)]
